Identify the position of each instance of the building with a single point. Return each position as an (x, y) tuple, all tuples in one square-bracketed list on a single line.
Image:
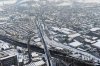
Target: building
[(75, 43), (94, 32), (8, 58)]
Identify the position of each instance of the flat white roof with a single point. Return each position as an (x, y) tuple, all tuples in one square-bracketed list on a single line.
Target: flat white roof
[(56, 28), (74, 35), (75, 43), (39, 63), (91, 41), (34, 54), (59, 48), (97, 44), (64, 4), (37, 39), (1, 9), (95, 29)]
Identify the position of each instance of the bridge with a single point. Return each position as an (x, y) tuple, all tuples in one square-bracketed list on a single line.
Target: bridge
[(56, 54)]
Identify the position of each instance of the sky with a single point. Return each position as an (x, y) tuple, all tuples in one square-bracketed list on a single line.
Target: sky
[(84, 1), (6, 2), (67, 2), (89, 1)]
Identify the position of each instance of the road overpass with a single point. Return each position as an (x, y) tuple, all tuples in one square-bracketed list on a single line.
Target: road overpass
[(56, 54)]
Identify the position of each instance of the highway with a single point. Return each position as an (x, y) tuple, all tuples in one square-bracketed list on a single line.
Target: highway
[(53, 53), (85, 55)]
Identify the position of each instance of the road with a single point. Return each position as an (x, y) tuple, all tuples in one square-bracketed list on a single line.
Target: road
[(53, 53), (86, 55)]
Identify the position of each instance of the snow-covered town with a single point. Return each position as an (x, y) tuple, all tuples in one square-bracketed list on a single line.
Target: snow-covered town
[(49, 33)]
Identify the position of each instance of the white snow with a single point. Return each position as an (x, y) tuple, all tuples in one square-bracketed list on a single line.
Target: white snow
[(34, 5), (97, 44), (90, 41), (20, 57), (74, 35), (65, 30), (39, 63), (1, 23), (20, 48), (34, 54), (87, 40), (64, 4), (75, 44), (55, 28), (4, 45), (59, 48), (94, 38), (37, 40), (95, 29), (1, 9), (10, 53), (24, 5), (36, 59), (56, 39), (4, 18)]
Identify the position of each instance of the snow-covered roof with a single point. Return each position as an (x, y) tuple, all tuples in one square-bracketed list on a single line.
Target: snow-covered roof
[(34, 54), (1, 23), (39, 63), (74, 35), (64, 4), (4, 45), (56, 39), (37, 59), (65, 30), (37, 40), (55, 28), (97, 44), (4, 18), (19, 48), (91, 41), (20, 57), (95, 29), (94, 38), (1, 9), (75, 43), (24, 5), (59, 48)]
